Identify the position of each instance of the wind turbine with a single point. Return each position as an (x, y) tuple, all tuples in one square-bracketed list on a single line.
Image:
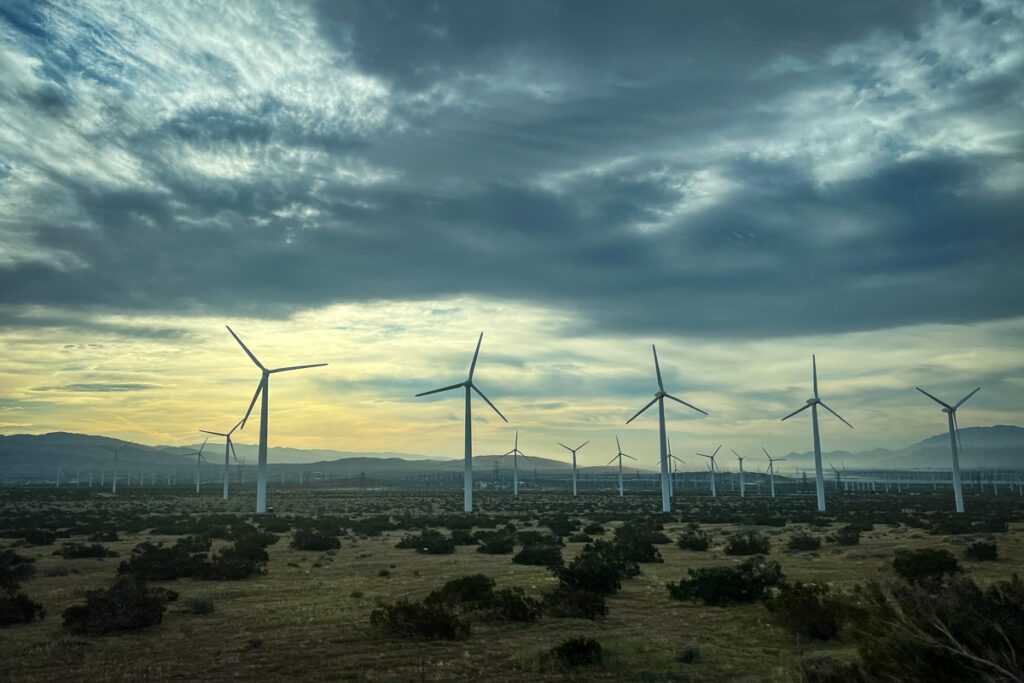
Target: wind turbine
[(115, 451), (573, 451), (199, 461), (836, 472), (954, 441), (813, 404), (659, 398), (771, 468), (619, 457), (515, 453), (467, 496), (711, 466), (740, 458), (228, 447), (263, 388)]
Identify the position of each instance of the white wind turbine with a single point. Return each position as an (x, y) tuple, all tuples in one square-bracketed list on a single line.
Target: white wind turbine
[(675, 462), (515, 453), (619, 457), (711, 467), (954, 441), (813, 404), (116, 452), (740, 458), (199, 461), (659, 398), (264, 388), (771, 468), (573, 451), (467, 497), (229, 449)]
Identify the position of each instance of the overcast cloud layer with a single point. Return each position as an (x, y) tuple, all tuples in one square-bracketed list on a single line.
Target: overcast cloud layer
[(728, 172)]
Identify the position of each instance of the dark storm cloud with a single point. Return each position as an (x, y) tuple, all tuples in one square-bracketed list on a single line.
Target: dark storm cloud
[(657, 167)]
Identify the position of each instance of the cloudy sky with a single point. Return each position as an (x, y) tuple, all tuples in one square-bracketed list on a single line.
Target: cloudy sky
[(370, 184)]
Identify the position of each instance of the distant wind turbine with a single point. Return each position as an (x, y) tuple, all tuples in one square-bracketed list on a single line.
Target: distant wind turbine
[(263, 388), (711, 467), (116, 452), (573, 451), (954, 441), (674, 462), (515, 453), (742, 487), (659, 398), (813, 404), (619, 457), (229, 448), (467, 497), (199, 461), (771, 468)]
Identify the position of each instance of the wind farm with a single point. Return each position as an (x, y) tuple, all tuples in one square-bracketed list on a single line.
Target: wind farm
[(335, 198)]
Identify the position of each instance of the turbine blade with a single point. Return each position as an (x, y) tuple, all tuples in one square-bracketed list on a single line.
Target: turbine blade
[(580, 447), (472, 366), (488, 400), (203, 446), (814, 371), (642, 410), (447, 388), (627, 455), (564, 446), (246, 349), (204, 431), (679, 400), (259, 388), (298, 367), (766, 452), (964, 399), (940, 402), (716, 451), (612, 460), (836, 414), (806, 406), (618, 446), (657, 368), (735, 453), (232, 430), (232, 446)]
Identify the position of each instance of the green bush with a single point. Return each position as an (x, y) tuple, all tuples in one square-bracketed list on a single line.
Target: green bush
[(579, 538), (76, 551), (924, 565), (594, 529), (429, 542), (598, 568), (747, 543), (982, 550), (572, 603), (199, 605), (18, 608), (803, 541), (694, 538), (156, 562), (560, 525), (823, 669), (539, 554), (419, 621), (809, 610), (463, 537), (635, 541), (578, 652), (128, 605), (247, 557), (847, 535), (308, 538), (511, 604), (474, 590), (15, 568), (496, 542), (913, 633), (745, 582)]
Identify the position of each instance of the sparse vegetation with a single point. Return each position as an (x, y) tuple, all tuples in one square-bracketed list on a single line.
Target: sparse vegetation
[(809, 610), (747, 543), (803, 541), (982, 551), (726, 585), (926, 564), (578, 652), (128, 605), (694, 538)]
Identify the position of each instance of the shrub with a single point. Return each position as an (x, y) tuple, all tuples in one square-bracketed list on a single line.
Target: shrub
[(199, 605), (803, 541), (156, 562), (539, 554), (690, 655), (240, 561), (722, 586), (847, 535), (419, 621), (15, 568), (75, 551), (572, 603), (599, 568), (128, 605), (635, 542), (38, 536), (694, 538), (594, 529), (511, 604), (578, 652), (474, 590), (308, 538), (107, 536), (909, 632), (463, 537), (538, 538), (747, 543), (560, 525), (924, 565), (18, 608), (496, 542), (982, 550), (823, 669), (809, 610), (579, 538), (429, 542)]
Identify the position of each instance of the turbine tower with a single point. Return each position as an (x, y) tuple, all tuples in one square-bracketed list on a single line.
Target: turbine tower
[(771, 468), (659, 398), (467, 498), (619, 457), (116, 452), (711, 467), (229, 449), (573, 451), (742, 487), (263, 388), (199, 461), (954, 441), (515, 453), (813, 404)]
